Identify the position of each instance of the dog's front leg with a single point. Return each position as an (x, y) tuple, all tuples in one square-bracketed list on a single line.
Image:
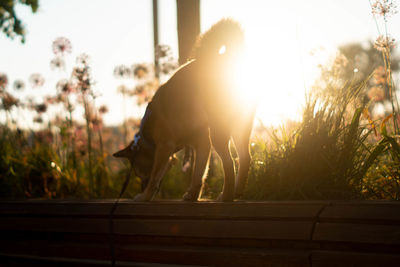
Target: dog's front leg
[(160, 167)]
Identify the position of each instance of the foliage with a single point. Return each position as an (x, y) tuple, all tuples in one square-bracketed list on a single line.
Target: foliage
[(10, 24)]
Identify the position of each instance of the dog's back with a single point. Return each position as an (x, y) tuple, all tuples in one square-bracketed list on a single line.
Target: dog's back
[(201, 91), (177, 106)]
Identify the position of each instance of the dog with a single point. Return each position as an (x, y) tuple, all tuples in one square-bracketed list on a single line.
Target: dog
[(196, 109)]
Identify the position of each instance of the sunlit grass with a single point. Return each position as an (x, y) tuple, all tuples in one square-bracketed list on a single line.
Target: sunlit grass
[(321, 158)]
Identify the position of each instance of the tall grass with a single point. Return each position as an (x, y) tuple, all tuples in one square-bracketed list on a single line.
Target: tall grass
[(322, 158)]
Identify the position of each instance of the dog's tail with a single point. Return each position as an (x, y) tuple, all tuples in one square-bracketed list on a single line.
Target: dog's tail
[(225, 36)]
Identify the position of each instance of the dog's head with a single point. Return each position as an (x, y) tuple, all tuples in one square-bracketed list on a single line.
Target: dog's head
[(141, 156)]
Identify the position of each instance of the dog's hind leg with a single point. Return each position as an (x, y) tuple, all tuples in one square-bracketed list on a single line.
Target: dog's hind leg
[(221, 144), (202, 150), (160, 167), (241, 139)]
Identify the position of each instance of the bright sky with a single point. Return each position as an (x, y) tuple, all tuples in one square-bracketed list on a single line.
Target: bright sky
[(280, 35)]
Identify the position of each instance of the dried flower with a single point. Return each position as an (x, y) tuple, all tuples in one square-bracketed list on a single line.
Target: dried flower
[(380, 75), (383, 43), (163, 51), (8, 101), (41, 108), (19, 85), (36, 80), (384, 8), (103, 109), (62, 46), (167, 63), (82, 78), (49, 100), (139, 89), (122, 71), (3, 81), (83, 59), (144, 92), (57, 63), (169, 66), (141, 71), (65, 86)]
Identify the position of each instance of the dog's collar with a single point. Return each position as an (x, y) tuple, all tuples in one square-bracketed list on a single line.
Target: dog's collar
[(140, 140), (135, 142)]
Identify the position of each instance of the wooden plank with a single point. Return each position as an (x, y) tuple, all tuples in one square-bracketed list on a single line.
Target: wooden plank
[(17, 260), (172, 255), (213, 256), (372, 212), (290, 230), (6, 237), (67, 208), (208, 254), (73, 225), (235, 210), (343, 258), (166, 254), (357, 233), (58, 248)]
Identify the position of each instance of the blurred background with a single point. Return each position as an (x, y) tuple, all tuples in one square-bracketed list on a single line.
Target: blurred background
[(76, 76), (285, 38)]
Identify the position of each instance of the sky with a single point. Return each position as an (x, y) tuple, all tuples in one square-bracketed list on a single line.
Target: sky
[(280, 36)]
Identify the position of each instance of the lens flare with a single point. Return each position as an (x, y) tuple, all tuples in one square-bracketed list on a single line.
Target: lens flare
[(222, 50)]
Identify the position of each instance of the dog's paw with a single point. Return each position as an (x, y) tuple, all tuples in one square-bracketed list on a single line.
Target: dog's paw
[(139, 198), (224, 198), (190, 196), (238, 195)]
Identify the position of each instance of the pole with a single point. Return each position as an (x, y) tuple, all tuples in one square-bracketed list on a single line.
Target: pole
[(155, 34)]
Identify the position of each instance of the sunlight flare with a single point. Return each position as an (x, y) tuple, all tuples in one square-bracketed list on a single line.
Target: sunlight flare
[(276, 79)]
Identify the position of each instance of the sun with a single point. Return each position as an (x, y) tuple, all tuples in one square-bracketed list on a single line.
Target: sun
[(277, 78), (276, 93)]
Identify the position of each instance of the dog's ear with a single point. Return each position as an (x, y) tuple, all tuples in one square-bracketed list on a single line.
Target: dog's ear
[(124, 153)]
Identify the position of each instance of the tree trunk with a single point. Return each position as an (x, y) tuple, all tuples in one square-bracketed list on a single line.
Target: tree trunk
[(188, 15)]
